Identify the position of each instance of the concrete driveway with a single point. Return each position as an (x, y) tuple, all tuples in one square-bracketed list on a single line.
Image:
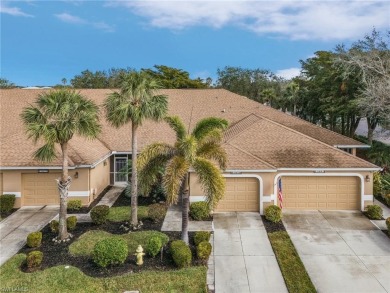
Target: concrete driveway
[(342, 251), (243, 256), (15, 228)]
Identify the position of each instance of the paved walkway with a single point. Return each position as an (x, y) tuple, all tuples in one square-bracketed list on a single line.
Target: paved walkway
[(243, 256), (172, 221), (342, 251), (381, 224), (15, 228)]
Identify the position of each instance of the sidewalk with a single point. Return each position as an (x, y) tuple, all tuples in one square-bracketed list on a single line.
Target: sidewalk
[(15, 228)]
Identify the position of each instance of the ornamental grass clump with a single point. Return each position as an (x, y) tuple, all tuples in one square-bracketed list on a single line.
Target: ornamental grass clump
[(374, 212), (200, 211), (273, 213)]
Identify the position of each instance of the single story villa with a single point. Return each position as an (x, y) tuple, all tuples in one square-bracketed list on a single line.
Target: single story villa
[(318, 168)]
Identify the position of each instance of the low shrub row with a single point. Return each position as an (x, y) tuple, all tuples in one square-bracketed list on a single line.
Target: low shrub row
[(7, 202), (71, 223), (200, 211), (374, 212)]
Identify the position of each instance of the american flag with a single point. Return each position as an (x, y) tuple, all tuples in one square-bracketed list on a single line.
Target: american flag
[(280, 194)]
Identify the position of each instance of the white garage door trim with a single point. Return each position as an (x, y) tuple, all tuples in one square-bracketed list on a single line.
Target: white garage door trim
[(362, 197), (260, 185)]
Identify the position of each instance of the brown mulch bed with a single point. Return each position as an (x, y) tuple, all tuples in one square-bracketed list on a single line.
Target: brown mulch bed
[(87, 209), (57, 254), (272, 227), (123, 200)]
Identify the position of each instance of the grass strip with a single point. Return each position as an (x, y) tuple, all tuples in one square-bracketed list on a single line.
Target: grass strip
[(294, 273), (121, 214)]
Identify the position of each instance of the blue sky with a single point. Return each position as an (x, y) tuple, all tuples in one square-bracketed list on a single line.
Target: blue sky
[(45, 41)]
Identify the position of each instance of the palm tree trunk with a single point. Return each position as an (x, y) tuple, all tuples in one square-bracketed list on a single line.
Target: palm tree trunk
[(185, 210), (134, 187), (371, 125), (63, 186)]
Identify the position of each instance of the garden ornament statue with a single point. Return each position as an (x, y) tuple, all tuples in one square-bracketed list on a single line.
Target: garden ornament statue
[(139, 253)]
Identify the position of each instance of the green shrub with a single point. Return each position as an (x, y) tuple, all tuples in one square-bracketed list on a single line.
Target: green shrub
[(154, 246), (34, 259), (200, 211), (157, 212), (181, 253), (7, 202), (374, 212), (110, 251), (203, 250), (273, 213), (34, 239), (386, 198), (74, 204), (54, 225), (71, 222), (388, 225), (201, 236), (99, 214)]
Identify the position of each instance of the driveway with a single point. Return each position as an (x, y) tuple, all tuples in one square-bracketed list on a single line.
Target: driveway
[(243, 256), (342, 251), (15, 228)]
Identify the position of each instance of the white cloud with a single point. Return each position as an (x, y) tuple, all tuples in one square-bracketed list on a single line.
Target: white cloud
[(292, 19), (14, 11), (289, 73), (68, 18)]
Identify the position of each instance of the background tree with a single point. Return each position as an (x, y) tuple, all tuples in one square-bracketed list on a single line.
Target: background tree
[(6, 84), (100, 79), (136, 102), (56, 118), (197, 150), (370, 59), (174, 78)]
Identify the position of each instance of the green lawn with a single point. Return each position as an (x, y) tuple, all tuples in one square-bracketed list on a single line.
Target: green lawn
[(85, 243), (293, 270), (60, 279), (120, 214)]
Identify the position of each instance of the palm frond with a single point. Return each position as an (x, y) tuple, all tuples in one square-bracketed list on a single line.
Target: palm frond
[(46, 153), (175, 171), (155, 107), (177, 125), (213, 151), (214, 135), (211, 180), (149, 174), (152, 151), (204, 126), (116, 108), (188, 147)]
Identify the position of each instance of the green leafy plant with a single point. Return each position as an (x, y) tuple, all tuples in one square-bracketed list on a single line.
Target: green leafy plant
[(71, 222), (388, 225), (181, 253), (273, 213), (203, 250), (34, 259), (157, 212), (201, 236), (154, 246), (374, 212), (7, 202), (74, 204), (54, 224), (34, 239), (99, 214), (200, 211), (110, 251)]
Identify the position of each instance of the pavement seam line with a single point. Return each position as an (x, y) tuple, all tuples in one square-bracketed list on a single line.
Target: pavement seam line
[(21, 224), (242, 249)]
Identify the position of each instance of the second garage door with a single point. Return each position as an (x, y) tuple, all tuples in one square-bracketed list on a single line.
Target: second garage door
[(40, 189), (241, 195), (322, 193)]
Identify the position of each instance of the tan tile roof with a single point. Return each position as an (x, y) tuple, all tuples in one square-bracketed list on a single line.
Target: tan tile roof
[(247, 149)]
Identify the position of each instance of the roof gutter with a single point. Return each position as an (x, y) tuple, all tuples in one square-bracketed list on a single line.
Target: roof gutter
[(319, 170), (352, 146)]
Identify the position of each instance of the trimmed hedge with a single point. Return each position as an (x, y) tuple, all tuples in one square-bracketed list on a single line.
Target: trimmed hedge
[(203, 250), (273, 213), (200, 211), (71, 222), (181, 253), (374, 212), (34, 259), (201, 236), (154, 246), (110, 251), (7, 202), (34, 239), (157, 212), (99, 214), (74, 204)]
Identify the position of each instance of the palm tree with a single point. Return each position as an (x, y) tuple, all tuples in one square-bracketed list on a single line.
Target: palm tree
[(57, 116), (292, 91), (135, 103), (196, 150)]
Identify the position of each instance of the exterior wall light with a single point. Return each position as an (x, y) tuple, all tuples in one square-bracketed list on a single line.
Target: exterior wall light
[(76, 175), (368, 178)]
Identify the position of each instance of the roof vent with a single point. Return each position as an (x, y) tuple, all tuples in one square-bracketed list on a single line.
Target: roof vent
[(223, 111)]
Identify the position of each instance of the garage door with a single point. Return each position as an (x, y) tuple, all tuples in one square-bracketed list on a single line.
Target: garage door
[(40, 189), (242, 195), (323, 193)]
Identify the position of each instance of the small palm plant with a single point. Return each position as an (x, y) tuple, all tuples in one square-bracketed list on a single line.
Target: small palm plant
[(56, 118), (135, 103), (197, 150)]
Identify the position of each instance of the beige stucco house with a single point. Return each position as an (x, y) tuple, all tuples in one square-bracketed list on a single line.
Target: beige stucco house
[(318, 168)]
